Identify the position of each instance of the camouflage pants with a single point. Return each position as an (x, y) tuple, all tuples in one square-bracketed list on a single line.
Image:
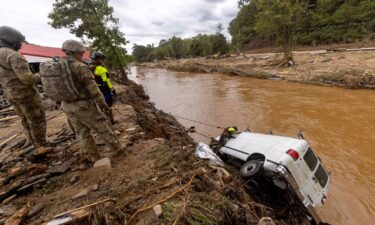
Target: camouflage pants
[(31, 111), (86, 117)]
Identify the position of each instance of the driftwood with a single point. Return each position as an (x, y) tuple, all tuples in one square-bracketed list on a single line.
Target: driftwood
[(8, 118), (84, 207), (9, 139), (18, 218)]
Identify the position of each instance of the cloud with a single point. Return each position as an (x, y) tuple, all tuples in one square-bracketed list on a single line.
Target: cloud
[(142, 21)]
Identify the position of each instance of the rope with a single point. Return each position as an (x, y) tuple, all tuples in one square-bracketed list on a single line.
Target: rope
[(203, 135), (199, 122)]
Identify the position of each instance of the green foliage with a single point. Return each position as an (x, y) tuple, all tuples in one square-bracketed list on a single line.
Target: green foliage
[(242, 27), (141, 53), (200, 45), (279, 19), (93, 22), (307, 21)]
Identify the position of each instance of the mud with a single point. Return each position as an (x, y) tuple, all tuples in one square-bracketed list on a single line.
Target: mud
[(347, 69), (157, 168)]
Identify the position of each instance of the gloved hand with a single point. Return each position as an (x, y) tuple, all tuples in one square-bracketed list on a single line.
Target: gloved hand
[(114, 92)]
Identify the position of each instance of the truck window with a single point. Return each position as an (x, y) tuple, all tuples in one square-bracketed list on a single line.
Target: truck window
[(310, 159), (321, 176)]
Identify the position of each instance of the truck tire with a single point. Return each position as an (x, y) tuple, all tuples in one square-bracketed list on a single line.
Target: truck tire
[(251, 169)]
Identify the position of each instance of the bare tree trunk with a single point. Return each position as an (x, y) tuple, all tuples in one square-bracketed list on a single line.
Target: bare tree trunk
[(288, 54)]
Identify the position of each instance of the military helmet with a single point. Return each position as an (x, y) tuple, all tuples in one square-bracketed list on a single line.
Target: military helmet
[(97, 55), (73, 46), (11, 35)]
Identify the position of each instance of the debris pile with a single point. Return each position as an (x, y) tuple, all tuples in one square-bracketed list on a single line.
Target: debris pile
[(156, 181), (350, 68)]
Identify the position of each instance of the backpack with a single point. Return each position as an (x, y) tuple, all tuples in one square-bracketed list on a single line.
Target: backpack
[(58, 81)]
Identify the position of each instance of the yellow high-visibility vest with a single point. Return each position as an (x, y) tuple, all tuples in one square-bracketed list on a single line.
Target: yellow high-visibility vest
[(102, 72)]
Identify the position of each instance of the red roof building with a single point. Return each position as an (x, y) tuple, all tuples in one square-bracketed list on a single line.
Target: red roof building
[(37, 53)]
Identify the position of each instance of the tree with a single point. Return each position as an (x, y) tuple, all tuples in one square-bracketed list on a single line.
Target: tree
[(92, 21), (279, 18), (219, 28), (219, 44), (242, 27), (142, 53)]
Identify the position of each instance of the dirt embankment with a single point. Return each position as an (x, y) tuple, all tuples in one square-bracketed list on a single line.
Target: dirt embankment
[(156, 181), (348, 69)]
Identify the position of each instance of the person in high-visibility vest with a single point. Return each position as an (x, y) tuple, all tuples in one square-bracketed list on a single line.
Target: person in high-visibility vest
[(102, 80), (101, 76), (227, 134)]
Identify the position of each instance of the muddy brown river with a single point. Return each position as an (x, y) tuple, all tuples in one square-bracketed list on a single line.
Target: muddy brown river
[(339, 124)]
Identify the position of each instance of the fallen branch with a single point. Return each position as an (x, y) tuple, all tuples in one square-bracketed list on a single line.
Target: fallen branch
[(163, 200), (84, 207), (8, 118), (9, 139)]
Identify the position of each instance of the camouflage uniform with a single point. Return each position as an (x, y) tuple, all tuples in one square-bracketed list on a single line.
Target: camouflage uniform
[(18, 83), (85, 114)]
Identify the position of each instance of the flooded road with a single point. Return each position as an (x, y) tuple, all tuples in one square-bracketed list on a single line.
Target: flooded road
[(339, 123)]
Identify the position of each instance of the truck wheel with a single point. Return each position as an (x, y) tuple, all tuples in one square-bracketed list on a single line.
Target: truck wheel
[(252, 168)]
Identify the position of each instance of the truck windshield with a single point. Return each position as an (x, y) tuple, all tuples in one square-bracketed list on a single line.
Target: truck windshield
[(310, 159), (321, 176)]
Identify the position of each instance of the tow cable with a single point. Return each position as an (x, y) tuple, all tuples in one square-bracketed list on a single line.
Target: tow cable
[(199, 122)]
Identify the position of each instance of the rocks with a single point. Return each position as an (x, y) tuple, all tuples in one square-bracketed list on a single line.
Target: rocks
[(266, 221), (82, 193), (105, 162), (74, 179), (95, 187), (35, 209), (158, 210), (18, 218)]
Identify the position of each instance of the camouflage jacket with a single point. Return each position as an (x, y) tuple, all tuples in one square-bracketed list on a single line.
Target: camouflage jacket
[(15, 75), (86, 83)]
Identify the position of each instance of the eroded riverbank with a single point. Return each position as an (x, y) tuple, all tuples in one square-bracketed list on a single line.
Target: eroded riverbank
[(348, 69), (339, 123), (158, 169)]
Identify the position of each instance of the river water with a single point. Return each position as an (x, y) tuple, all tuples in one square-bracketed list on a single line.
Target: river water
[(339, 124)]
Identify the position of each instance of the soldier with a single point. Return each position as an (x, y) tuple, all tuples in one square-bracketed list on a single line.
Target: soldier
[(18, 83), (83, 111)]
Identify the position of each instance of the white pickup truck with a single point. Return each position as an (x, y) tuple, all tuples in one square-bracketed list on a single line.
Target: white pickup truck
[(289, 162)]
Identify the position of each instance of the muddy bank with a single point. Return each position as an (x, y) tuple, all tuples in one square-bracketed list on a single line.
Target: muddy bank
[(341, 69), (156, 181)]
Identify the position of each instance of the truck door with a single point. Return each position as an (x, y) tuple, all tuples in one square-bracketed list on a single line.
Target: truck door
[(311, 187)]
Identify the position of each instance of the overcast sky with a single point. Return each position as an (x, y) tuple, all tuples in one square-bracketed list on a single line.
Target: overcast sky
[(142, 21)]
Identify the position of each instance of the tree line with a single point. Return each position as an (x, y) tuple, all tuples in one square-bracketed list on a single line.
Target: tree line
[(176, 48), (261, 23), (304, 22)]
